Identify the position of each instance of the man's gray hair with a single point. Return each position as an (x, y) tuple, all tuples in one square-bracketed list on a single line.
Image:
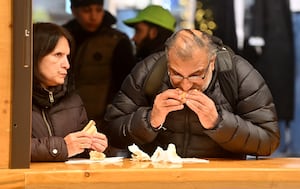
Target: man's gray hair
[(185, 51)]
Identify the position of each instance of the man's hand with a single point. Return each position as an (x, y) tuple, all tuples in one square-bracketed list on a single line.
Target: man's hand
[(77, 142), (203, 106), (165, 102)]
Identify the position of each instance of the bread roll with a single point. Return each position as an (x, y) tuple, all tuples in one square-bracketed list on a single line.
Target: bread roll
[(90, 127), (94, 155)]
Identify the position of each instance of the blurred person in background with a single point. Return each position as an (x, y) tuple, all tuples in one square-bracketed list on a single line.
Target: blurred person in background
[(294, 149), (152, 25), (103, 56), (270, 49)]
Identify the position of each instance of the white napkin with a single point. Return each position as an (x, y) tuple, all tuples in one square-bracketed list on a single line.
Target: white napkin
[(168, 155), (162, 156), (138, 154)]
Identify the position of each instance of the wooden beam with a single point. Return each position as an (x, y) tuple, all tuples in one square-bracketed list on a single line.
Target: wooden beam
[(5, 80)]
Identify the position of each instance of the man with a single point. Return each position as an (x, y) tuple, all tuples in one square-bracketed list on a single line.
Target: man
[(103, 57), (190, 109), (153, 25)]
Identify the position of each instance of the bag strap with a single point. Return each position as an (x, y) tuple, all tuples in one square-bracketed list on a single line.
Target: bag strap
[(227, 76), (154, 79)]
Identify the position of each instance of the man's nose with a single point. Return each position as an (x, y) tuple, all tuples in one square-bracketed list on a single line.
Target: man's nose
[(93, 15), (186, 84)]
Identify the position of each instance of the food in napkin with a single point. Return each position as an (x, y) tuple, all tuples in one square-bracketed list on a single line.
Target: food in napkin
[(91, 129), (138, 154), (94, 155), (159, 155)]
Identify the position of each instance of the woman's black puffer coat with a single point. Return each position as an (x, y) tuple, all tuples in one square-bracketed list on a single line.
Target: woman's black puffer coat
[(251, 130), (52, 121)]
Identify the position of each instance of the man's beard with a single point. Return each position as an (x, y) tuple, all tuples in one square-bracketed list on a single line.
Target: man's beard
[(145, 48)]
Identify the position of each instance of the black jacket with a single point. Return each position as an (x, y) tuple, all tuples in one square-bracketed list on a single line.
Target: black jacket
[(253, 129), (51, 122), (276, 63)]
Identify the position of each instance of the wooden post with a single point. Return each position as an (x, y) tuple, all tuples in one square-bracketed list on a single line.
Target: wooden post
[(5, 80), (20, 134)]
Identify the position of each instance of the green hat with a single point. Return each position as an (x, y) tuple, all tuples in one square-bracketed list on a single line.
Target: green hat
[(156, 15)]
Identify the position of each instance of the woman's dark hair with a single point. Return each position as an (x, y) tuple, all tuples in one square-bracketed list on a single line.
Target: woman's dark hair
[(45, 39)]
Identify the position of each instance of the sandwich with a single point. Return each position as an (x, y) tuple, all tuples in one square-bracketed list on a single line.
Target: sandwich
[(91, 128)]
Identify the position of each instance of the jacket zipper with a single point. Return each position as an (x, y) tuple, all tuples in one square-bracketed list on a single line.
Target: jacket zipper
[(186, 134), (51, 98), (47, 123)]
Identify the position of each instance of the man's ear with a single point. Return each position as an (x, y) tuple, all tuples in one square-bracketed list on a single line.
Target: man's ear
[(153, 32), (213, 59)]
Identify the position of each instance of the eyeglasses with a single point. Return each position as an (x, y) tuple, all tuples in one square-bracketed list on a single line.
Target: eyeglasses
[(193, 78)]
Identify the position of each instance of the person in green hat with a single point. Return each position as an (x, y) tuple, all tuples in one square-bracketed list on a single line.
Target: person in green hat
[(153, 25)]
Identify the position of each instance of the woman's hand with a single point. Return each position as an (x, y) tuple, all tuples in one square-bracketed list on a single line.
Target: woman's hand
[(99, 142), (77, 142)]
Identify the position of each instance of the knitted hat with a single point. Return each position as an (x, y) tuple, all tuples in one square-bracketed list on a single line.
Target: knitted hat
[(80, 3), (156, 15)]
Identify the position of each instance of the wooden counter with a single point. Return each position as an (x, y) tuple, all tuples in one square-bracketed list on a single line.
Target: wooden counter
[(263, 173)]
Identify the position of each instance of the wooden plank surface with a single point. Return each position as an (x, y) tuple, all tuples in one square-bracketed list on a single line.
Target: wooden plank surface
[(5, 80), (12, 179), (269, 173), (277, 173)]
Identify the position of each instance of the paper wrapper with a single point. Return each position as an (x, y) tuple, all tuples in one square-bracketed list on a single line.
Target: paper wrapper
[(162, 156)]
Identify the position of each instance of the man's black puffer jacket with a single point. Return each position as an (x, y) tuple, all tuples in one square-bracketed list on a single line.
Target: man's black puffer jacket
[(251, 130), (52, 121)]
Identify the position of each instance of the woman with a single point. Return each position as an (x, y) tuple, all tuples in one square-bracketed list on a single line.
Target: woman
[(58, 114)]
